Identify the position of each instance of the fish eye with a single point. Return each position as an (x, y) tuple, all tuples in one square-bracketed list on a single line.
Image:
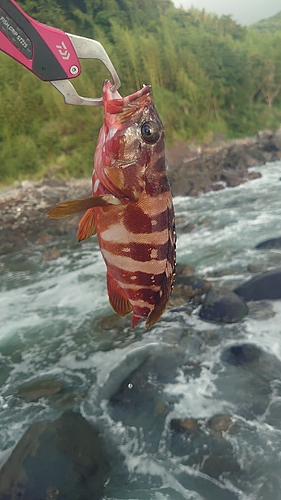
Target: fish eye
[(150, 132)]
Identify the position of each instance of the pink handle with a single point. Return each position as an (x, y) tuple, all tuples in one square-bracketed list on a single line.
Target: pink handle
[(46, 51)]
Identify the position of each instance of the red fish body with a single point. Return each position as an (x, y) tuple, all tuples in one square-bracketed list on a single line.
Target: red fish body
[(131, 208)]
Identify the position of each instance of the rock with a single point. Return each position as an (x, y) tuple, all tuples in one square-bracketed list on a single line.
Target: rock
[(264, 135), (184, 270), (223, 306), (41, 388), (222, 422), (277, 139), (137, 400), (269, 244), (56, 460), (255, 268), (253, 175), (216, 465), (187, 425), (187, 228), (51, 254), (43, 239), (273, 414), (266, 286), (241, 354), (190, 286), (142, 383), (261, 310)]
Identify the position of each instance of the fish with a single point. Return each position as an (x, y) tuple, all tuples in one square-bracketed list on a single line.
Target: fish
[(131, 207)]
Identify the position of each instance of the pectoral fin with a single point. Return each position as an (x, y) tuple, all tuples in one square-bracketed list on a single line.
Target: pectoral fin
[(87, 225), (71, 207)]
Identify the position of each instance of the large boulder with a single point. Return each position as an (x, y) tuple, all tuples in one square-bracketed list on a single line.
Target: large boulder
[(56, 460), (223, 306), (266, 286)]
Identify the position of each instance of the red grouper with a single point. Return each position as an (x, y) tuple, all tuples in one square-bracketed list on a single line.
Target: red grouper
[(131, 207)]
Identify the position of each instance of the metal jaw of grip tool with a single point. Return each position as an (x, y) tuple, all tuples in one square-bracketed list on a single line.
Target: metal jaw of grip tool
[(49, 53)]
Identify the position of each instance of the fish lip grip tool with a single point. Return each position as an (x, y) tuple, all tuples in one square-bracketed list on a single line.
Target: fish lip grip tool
[(49, 53)]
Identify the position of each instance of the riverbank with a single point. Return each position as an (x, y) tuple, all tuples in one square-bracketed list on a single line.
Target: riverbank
[(192, 171)]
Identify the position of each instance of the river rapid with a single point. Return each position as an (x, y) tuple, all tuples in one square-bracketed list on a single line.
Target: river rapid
[(56, 324)]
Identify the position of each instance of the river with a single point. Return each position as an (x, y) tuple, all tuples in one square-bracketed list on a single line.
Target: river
[(56, 324)]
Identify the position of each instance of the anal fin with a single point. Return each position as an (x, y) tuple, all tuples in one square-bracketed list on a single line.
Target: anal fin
[(87, 225), (117, 298)]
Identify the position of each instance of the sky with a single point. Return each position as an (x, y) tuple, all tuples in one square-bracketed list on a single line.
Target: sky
[(244, 11)]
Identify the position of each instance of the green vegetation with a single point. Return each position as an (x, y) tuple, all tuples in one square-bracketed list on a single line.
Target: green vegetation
[(208, 74), (271, 24)]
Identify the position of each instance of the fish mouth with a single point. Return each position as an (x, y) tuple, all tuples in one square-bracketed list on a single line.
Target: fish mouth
[(107, 86)]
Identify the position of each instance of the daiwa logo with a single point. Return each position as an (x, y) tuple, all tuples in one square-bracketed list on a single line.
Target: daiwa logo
[(63, 51)]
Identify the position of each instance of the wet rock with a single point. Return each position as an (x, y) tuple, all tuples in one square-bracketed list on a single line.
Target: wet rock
[(187, 425), (241, 354), (261, 310), (178, 301), (41, 388), (209, 452), (142, 383), (269, 244), (51, 254), (140, 395), (223, 306), (58, 460), (187, 228), (184, 270), (255, 268), (43, 239), (273, 414), (267, 286), (190, 286), (215, 465), (222, 422)]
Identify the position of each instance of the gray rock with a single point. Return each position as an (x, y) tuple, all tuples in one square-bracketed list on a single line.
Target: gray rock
[(60, 460), (189, 426), (223, 306), (190, 286), (266, 286), (277, 139), (268, 244), (222, 422), (241, 354), (40, 389)]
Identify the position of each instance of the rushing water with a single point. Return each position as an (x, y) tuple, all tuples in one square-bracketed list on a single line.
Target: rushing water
[(56, 324)]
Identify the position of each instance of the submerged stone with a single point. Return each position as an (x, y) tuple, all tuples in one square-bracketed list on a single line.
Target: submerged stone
[(223, 306), (267, 286), (60, 460), (222, 422), (41, 388), (241, 354), (187, 425)]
